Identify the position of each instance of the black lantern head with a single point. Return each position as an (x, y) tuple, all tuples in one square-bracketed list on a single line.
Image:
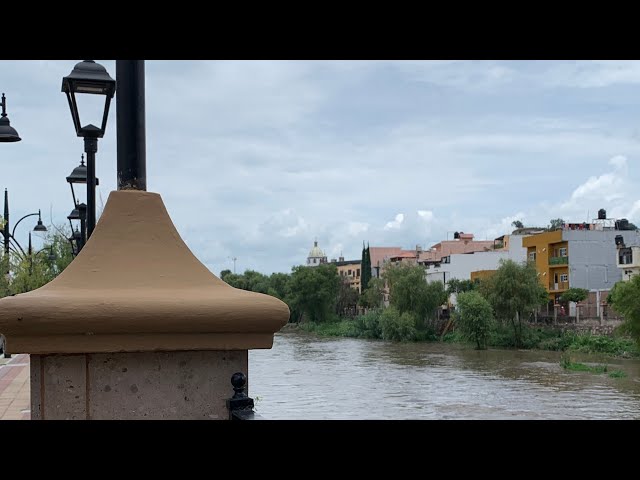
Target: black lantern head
[(7, 132), (89, 77), (79, 174), (40, 226)]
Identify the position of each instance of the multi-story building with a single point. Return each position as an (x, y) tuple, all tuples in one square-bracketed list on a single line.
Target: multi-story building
[(577, 256), (628, 258), (349, 270)]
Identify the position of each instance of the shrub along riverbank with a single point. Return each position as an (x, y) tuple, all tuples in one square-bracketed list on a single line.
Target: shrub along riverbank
[(390, 325)]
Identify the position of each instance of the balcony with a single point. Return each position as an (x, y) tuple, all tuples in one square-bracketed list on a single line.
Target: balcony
[(556, 261), (558, 286)]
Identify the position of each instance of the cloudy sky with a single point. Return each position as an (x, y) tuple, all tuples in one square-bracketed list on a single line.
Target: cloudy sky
[(255, 159)]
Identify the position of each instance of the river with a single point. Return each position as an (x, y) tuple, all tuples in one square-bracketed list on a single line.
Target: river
[(308, 377)]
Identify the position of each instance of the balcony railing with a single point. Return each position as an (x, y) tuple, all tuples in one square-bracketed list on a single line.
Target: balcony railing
[(558, 260), (555, 286)]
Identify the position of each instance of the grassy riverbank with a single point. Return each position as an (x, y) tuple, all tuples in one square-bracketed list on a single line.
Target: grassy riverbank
[(501, 337)]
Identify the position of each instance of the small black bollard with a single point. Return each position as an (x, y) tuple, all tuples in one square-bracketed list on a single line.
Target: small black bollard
[(240, 405)]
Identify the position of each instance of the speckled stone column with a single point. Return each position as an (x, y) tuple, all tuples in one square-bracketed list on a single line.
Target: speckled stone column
[(136, 327)]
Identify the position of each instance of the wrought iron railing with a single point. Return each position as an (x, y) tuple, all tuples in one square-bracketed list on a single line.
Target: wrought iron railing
[(240, 405), (559, 261)]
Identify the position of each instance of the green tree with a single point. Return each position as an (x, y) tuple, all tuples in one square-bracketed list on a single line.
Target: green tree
[(279, 285), (410, 292), (224, 273), (625, 298), (33, 271), (555, 223), (365, 276), (574, 295), (474, 317), (396, 326), (347, 299), (373, 296), (456, 286), (513, 291), (313, 291), (517, 224)]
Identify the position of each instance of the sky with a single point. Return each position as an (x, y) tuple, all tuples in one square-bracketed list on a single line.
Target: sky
[(254, 160)]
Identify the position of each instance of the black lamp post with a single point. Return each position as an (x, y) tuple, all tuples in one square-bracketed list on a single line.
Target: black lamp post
[(9, 236), (79, 175), (78, 213), (88, 77), (7, 132)]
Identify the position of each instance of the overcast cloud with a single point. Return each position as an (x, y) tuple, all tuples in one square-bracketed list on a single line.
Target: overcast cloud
[(256, 159)]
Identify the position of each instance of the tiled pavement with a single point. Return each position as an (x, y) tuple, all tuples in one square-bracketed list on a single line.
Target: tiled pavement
[(15, 402)]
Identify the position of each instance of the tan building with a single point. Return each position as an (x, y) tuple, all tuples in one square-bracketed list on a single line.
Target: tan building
[(350, 270), (462, 243)]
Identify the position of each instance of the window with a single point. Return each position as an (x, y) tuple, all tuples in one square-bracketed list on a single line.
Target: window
[(532, 256), (357, 272), (349, 273), (563, 251), (564, 277)]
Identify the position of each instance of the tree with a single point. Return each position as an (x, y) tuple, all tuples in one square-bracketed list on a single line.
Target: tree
[(513, 291), (555, 223), (456, 286), (625, 298), (410, 292), (313, 291), (347, 299), (517, 224), (224, 273), (474, 318), (365, 275), (574, 295), (33, 271), (373, 296)]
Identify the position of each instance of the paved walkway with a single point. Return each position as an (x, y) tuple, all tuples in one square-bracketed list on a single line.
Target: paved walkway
[(15, 402)]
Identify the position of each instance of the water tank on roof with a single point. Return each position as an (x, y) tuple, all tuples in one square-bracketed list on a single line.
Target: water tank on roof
[(619, 241), (456, 235), (602, 214), (623, 224)]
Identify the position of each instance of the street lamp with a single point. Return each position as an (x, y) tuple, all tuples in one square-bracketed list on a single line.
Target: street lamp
[(10, 236), (78, 213), (89, 77), (79, 175), (7, 132)]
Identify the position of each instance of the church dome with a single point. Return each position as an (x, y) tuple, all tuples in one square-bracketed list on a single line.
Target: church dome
[(316, 252)]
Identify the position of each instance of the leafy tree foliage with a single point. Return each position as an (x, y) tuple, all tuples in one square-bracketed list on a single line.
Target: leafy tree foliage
[(513, 291), (474, 317), (410, 292), (373, 296), (575, 295), (517, 224), (625, 298)]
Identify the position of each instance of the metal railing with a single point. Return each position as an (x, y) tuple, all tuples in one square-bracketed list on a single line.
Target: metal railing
[(558, 260)]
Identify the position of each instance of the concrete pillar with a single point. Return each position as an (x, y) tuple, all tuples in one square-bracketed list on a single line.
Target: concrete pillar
[(136, 327)]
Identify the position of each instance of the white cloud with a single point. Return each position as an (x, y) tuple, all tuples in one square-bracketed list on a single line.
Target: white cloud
[(426, 215), (395, 224)]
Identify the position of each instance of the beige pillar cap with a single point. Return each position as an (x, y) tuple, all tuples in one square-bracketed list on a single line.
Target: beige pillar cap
[(136, 286)]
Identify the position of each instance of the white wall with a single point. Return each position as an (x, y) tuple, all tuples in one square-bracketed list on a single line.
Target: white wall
[(462, 264)]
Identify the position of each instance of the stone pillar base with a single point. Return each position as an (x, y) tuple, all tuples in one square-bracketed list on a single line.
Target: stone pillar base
[(182, 385)]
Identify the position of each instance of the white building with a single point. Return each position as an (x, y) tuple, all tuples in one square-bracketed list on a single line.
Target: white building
[(316, 256), (628, 259)]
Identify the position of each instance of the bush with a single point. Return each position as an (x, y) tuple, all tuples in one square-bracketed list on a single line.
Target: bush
[(398, 327), (368, 325), (474, 318), (619, 347)]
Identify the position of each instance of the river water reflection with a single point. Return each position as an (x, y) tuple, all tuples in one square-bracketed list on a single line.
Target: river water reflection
[(308, 377)]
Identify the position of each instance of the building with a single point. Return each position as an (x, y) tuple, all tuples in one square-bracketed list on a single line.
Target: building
[(349, 270), (463, 265), (578, 256), (628, 258), (461, 243), (316, 256)]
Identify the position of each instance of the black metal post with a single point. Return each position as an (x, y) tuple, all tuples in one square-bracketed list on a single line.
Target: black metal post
[(5, 231), (130, 111), (82, 210), (240, 405), (90, 148)]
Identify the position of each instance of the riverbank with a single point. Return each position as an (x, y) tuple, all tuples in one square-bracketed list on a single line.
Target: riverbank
[(534, 337)]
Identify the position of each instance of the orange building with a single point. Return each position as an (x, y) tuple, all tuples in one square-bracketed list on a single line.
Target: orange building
[(551, 256)]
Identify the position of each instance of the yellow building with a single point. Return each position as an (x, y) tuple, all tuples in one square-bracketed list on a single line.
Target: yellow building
[(350, 270), (551, 256), (481, 274)]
